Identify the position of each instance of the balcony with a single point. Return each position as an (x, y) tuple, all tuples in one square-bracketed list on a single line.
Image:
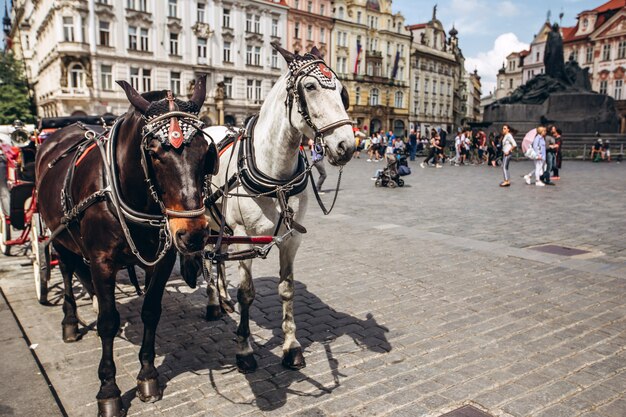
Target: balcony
[(373, 54)]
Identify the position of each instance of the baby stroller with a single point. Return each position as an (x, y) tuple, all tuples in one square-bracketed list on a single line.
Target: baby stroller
[(390, 175)]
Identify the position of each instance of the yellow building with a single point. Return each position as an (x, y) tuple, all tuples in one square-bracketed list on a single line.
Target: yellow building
[(372, 57)]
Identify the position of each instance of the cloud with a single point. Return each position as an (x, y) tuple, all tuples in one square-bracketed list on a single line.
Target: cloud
[(488, 63)]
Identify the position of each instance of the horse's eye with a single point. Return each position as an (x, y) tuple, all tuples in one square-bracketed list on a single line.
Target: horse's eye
[(310, 86)]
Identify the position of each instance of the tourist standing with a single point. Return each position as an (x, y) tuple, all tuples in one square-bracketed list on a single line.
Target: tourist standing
[(557, 133), (508, 146), (412, 145), (550, 157)]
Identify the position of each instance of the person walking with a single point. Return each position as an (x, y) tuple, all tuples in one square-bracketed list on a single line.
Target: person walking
[(550, 156), (508, 146), (539, 145), (317, 157)]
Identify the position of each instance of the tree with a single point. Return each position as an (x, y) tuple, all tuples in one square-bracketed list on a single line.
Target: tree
[(15, 101)]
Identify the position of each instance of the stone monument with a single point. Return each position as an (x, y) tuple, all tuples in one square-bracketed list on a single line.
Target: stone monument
[(561, 95)]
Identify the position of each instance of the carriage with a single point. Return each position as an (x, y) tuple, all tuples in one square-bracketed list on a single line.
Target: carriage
[(17, 192)]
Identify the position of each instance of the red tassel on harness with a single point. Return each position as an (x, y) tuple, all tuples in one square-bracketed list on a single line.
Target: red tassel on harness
[(175, 135)]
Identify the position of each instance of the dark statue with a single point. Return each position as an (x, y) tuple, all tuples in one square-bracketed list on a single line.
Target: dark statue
[(562, 94), (558, 76)]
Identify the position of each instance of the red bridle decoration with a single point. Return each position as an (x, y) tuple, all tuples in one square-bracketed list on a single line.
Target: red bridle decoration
[(175, 135)]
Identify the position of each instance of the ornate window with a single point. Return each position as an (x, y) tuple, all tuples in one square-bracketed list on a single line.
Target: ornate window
[(175, 82), (144, 41), (172, 8), (228, 87), (374, 98), (76, 76), (226, 18), (106, 77), (399, 99), (589, 55), (275, 27), (226, 56), (201, 13), (274, 58), (603, 86), (134, 78), (132, 38), (104, 33), (621, 50), (68, 29), (606, 52), (618, 89), (202, 42), (174, 44), (357, 96), (146, 79)]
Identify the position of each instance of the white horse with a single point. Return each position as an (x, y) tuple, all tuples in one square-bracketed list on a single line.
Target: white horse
[(307, 101)]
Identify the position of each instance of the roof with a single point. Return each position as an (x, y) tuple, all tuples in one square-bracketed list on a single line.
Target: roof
[(418, 26), (611, 5), (568, 33), (524, 53)]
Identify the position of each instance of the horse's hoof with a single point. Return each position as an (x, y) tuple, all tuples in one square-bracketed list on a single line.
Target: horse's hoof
[(71, 333), (294, 359), (149, 391), (246, 364), (111, 407), (213, 313)]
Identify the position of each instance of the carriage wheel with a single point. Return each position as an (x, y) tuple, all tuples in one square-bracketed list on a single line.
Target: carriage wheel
[(41, 261), (5, 235), (392, 184), (400, 183), (377, 183)]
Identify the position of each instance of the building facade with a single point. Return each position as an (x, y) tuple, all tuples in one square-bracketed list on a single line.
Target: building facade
[(75, 50), (310, 23), (533, 62), (372, 50), (438, 92), (510, 75)]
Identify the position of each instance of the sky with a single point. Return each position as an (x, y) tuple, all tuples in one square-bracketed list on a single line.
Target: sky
[(489, 30)]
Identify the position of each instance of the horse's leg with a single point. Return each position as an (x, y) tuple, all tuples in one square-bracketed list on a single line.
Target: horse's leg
[(292, 351), (213, 308), (245, 295), (109, 399), (67, 265), (148, 389), (219, 299), (226, 302)]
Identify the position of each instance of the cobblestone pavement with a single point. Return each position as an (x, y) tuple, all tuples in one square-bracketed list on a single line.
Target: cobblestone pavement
[(409, 302)]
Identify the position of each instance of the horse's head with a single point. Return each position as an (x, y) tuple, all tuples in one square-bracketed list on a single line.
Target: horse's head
[(317, 104), (176, 159)]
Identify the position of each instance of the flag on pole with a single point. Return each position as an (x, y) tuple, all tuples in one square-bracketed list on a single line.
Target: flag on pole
[(395, 65), (358, 57)]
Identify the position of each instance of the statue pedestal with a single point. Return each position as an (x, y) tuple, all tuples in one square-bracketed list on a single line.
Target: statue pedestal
[(573, 112)]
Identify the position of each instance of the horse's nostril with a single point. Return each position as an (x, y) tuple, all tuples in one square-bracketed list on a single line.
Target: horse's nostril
[(342, 148)]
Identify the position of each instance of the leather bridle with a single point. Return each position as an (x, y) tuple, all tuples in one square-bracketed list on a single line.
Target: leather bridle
[(301, 69)]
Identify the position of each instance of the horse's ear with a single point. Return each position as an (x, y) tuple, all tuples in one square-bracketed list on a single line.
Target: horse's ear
[(199, 91), (289, 56), (316, 53), (134, 97)]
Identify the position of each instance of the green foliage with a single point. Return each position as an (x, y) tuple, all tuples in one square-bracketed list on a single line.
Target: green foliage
[(15, 102)]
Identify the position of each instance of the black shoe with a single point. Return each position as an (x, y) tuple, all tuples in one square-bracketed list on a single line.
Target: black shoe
[(549, 183)]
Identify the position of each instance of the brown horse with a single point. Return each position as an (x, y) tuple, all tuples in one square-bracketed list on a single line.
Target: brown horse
[(147, 181)]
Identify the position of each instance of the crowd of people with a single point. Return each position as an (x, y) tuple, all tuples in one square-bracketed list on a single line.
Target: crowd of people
[(474, 147)]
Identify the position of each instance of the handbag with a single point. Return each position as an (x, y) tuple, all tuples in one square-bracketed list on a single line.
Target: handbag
[(530, 153)]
